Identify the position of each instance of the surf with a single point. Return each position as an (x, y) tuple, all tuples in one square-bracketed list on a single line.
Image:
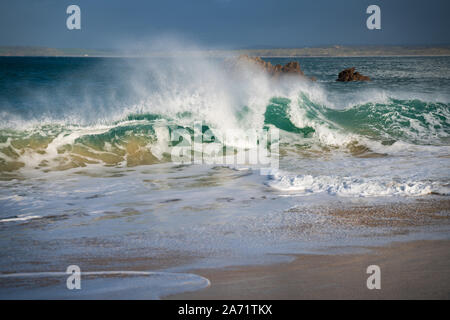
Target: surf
[(129, 122), (144, 138)]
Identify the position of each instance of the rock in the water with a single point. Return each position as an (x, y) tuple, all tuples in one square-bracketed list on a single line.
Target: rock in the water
[(290, 68), (350, 75)]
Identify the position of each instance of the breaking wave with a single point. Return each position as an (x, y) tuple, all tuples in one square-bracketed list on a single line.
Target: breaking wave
[(175, 95), (143, 138)]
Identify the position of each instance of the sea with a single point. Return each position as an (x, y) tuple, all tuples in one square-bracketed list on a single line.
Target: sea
[(140, 170)]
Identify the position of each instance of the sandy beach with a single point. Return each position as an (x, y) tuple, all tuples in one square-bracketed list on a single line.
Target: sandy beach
[(412, 270), (409, 270)]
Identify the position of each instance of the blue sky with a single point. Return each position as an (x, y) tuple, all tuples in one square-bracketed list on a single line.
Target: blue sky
[(224, 23)]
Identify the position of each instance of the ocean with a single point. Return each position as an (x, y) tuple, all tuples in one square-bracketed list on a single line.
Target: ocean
[(88, 175)]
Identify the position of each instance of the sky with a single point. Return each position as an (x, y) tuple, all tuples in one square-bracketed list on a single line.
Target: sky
[(112, 24)]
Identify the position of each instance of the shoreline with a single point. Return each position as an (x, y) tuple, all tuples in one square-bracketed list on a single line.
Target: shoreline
[(417, 269), (228, 56), (414, 268), (411, 267)]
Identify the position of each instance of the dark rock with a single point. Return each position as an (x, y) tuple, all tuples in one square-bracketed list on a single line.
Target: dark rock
[(350, 75), (290, 68)]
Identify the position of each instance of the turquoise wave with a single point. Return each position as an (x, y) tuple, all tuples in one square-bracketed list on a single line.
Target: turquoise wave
[(412, 121)]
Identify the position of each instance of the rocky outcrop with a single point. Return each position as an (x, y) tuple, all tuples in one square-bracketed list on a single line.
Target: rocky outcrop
[(350, 75), (290, 68)]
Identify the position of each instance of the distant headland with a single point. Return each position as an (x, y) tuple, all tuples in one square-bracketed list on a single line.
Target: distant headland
[(330, 51)]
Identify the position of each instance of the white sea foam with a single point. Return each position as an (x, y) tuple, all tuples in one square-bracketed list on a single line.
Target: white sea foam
[(20, 218), (108, 285), (353, 186)]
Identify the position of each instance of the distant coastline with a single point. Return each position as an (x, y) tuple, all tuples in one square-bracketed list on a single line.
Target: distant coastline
[(332, 51)]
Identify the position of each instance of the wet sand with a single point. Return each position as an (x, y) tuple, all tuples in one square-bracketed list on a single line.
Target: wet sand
[(412, 270), (409, 270)]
